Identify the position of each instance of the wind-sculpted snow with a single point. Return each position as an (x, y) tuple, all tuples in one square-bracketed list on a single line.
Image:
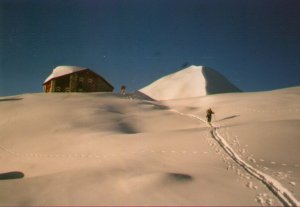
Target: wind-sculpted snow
[(193, 81), (217, 83), (284, 195), (106, 149), (280, 190)]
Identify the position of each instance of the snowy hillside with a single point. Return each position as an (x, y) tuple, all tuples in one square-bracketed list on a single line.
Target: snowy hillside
[(193, 81), (104, 149)]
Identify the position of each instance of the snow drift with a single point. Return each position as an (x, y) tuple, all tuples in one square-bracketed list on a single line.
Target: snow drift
[(111, 150), (193, 81)]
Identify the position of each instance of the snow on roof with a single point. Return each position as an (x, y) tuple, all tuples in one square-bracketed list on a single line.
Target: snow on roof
[(193, 81), (63, 70)]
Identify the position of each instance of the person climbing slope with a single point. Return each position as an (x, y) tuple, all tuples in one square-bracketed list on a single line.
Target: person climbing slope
[(209, 114), (123, 90)]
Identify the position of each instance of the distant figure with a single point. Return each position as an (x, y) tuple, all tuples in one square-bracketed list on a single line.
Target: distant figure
[(209, 113), (123, 90)]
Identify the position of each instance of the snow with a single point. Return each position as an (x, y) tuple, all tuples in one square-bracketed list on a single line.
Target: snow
[(117, 150), (63, 70), (284, 195), (193, 81)]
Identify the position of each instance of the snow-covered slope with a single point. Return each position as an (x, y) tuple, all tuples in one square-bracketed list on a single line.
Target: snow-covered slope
[(193, 81), (104, 149)]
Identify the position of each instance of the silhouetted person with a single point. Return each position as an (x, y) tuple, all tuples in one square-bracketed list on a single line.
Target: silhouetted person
[(123, 90), (209, 113)]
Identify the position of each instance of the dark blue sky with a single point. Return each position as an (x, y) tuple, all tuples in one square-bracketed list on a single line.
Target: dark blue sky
[(254, 43)]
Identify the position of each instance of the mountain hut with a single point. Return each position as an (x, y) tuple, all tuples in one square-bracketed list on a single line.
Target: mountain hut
[(75, 79)]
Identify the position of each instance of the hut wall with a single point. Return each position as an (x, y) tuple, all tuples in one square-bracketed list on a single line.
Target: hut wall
[(47, 87), (82, 81), (90, 82), (52, 85), (103, 86), (62, 84), (73, 82)]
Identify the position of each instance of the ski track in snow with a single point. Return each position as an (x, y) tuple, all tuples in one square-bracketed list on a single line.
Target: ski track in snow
[(283, 194)]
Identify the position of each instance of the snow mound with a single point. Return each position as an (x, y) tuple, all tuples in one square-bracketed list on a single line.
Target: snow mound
[(190, 82), (63, 70), (111, 150)]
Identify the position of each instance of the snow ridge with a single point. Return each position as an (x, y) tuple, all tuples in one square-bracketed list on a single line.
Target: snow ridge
[(193, 81), (283, 194)]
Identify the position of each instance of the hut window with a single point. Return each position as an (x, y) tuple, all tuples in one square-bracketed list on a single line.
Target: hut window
[(58, 89), (81, 79), (90, 80)]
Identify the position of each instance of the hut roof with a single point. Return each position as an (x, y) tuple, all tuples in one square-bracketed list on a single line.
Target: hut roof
[(63, 70)]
